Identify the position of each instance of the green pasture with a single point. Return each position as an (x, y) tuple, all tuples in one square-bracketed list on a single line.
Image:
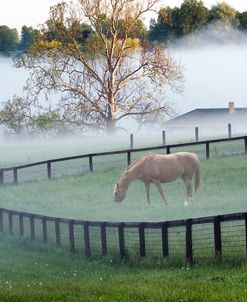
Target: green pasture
[(30, 272), (41, 152), (88, 196)]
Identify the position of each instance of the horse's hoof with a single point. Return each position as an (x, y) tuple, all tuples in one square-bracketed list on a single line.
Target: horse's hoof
[(186, 204)]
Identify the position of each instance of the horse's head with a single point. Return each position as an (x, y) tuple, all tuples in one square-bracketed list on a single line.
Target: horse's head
[(119, 193)]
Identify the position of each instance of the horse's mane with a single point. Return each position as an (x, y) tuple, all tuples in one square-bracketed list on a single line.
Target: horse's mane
[(134, 162)]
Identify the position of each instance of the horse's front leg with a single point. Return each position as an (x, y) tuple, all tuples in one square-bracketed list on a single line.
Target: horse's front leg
[(157, 183), (147, 187)]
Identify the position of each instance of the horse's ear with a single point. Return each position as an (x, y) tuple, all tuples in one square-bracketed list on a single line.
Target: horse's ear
[(116, 185)]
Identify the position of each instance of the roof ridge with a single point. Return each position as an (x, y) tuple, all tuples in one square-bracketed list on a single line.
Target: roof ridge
[(210, 111)]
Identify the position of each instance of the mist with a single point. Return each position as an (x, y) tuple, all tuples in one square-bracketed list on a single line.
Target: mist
[(214, 62)]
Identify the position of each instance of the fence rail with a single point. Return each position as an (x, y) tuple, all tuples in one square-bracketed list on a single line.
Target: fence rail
[(128, 152), (115, 236)]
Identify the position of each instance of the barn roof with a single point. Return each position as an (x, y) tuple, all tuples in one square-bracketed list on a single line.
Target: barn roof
[(211, 115)]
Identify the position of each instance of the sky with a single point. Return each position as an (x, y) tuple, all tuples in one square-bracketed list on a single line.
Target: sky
[(16, 13)]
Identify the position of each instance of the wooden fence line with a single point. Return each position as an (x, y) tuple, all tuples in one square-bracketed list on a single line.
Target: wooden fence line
[(128, 152), (121, 227)]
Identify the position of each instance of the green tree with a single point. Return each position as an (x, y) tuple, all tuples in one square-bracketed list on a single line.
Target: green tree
[(84, 32), (176, 22), (8, 39), (28, 37), (193, 16), (223, 12), (138, 30), (164, 28), (55, 29), (242, 20)]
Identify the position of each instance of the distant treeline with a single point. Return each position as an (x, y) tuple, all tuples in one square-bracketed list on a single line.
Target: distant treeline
[(192, 16), (171, 24)]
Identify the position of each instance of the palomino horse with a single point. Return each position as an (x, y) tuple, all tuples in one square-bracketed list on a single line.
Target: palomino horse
[(157, 169)]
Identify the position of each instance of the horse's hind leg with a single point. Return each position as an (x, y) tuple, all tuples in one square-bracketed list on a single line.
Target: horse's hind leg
[(158, 185), (187, 182)]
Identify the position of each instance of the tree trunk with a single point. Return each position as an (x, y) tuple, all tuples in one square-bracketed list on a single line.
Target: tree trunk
[(111, 127)]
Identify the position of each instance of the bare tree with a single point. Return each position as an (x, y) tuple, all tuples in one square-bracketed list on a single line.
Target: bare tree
[(104, 76), (18, 118)]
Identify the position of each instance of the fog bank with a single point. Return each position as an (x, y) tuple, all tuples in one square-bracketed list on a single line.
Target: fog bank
[(215, 65), (214, 62)]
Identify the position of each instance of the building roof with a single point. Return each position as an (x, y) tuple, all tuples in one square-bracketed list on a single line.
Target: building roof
[(211, 116)]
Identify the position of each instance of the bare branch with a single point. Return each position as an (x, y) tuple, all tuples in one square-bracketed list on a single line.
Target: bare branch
[(105, 77)]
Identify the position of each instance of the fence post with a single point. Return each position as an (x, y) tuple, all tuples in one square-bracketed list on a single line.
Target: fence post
[(245, 220), (57, 231), (129, 158), (245, 144), (163, 137), (165, 246), (1, 220), (189, 251), (168, 150), (44, 228), (87, 239), (10, 222), (229, 130), (103, 239), (121, 240), (72, 235), (49, 170), (32, 227), (217, 238), (1, 177), (207, 150), (142, 240), (21, 224), (196, 134), (15, 176), (131, 141), (90, 163)]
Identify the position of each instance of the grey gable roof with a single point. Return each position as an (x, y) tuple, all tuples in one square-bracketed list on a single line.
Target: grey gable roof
[(211, 115)]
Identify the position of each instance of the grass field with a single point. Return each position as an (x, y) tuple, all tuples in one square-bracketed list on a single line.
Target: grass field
[(30, 271), (12, 155), (89, 196)]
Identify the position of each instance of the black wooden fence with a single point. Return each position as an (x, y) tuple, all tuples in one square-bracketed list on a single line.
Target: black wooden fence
[(129, 152), (219, 236)]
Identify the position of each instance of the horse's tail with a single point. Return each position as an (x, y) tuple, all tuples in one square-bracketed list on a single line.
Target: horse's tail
[(197, 177)]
